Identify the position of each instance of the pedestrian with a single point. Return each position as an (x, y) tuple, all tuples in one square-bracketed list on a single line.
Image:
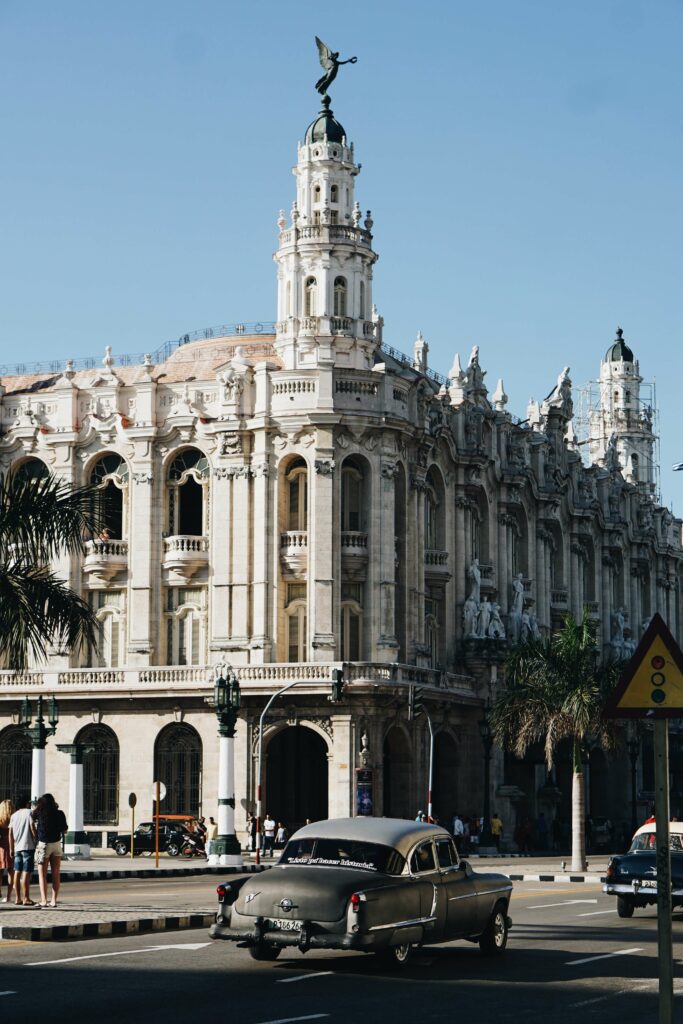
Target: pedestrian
[(458, 832), (420, 816), (251, 831), (281, 836), (22, 845), (6, 812), (466, 835), (268, 834), (211, 835), (50, 825), (496, 830)]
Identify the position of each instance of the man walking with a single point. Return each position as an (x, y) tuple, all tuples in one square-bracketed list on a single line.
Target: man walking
[(22, 845), (496, 830), (269, 834)]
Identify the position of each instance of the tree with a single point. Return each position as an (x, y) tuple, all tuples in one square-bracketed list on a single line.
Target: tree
[(40, 519), (555, 690)]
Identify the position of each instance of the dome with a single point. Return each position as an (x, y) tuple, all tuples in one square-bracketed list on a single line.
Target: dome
[(619, 351), (325, 125)]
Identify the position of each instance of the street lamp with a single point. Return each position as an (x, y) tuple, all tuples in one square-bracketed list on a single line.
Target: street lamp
[(38, 733), (485, 837), (226, 850), (633, 746)]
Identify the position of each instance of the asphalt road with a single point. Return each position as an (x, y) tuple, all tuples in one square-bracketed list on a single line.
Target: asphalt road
[(569, 957)]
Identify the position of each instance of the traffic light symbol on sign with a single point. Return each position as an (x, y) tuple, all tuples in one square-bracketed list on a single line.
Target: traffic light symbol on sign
[(658, 679)]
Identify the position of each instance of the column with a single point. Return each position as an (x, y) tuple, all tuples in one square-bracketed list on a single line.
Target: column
[(219, 548), (321, 554), (383, 523), (239, 626), (576, 581), (226, 850), (634, 615), (541, 578), (502, 569), (461, 560), (76, 845), (606, 599), (144, 535), (38, 771), (417, 564)]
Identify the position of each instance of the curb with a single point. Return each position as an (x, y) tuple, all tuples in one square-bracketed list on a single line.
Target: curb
[(107, 929), (100, 876), (592, 879)]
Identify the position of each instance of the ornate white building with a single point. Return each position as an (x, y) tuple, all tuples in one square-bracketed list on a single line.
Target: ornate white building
[(292, 500)]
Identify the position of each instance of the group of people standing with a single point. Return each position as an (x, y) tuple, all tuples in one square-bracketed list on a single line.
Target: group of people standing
[(31, 836)]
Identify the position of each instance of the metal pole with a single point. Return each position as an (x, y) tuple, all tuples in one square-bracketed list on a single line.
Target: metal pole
[(260, 761), (132, 832), (634, 796), (156, 830), (664, 946), (431, 767)]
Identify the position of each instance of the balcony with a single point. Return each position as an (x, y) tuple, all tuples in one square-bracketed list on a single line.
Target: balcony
[(294, 552), (592, 609), (105, 558), (354, 554), (436, 564), (184, 556), (559, 598)]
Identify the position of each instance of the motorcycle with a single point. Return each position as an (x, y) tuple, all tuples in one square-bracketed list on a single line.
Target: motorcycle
[(192, 847)]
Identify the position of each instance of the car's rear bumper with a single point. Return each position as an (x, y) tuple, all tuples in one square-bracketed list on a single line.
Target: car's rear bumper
[(309, 937), (638, 891)]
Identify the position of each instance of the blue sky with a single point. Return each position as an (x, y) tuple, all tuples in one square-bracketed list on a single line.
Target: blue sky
[(522, 163)]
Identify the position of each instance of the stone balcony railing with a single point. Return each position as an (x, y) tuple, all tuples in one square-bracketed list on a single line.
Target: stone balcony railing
[(593, 609), (559, 598), (105, 558), (354, 554), (184, 555), (294, 552), (436, 563), (112, 683)]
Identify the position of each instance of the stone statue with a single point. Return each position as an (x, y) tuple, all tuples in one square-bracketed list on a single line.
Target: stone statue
[(518, 594), (534, 630), (330, 63), (561, 396), (496, 627), (629, 647), (474, 574), (470, 613), (617, 638), (526, 630), (484, 617), (611, 458)]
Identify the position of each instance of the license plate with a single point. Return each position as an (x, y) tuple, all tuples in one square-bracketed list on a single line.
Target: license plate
[(282, 924), (648, 883)]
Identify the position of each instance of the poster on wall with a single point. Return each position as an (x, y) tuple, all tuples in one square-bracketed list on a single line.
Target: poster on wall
[(364, 791)]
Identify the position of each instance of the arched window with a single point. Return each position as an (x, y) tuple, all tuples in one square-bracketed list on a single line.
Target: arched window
[(310, 299), (185, 625), (432, 638), (15, 765), (100, 775), (334, 194), (634, 466), (296, 622), (110, 473), (361, 309), (32, 469), (351, 636), (316, 194), (297, 496), (432, 539), (352, 499), (188, 477), (107, 606), (178, 764), (339, 296)]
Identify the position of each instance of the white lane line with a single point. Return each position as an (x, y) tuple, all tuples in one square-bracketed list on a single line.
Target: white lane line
[(8, 993), (603, 956), (564, 903), (289, 1020), (121, 952), (302, 977), (592, 913)]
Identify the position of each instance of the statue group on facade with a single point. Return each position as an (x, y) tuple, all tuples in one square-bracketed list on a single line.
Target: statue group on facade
[(482, 618)]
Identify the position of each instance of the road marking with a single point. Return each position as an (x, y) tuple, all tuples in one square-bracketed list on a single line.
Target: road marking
[(603, 956), (564, 903), (121, 952), (610, 995), (592, 913), (9, 992), (302, 977), (289, 1020)]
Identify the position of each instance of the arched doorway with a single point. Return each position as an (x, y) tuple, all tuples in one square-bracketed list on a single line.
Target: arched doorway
[(296, 776), (445, 783), (396, 765), (100, 775), (15, 765), (178, 764)]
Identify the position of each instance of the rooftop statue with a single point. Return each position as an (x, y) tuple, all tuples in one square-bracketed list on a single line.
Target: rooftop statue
[(330, 63)]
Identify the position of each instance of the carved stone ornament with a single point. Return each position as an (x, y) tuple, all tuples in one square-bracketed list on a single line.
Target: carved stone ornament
[(144, 477), (389, 470), (324, 467), (260, 469), (322, 723), (230, 443)]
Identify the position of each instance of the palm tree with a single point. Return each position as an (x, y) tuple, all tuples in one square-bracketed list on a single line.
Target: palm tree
[(40, 519), (555, 690)]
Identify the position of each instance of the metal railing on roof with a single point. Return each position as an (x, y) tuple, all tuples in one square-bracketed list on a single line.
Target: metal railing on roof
[(401, 357)]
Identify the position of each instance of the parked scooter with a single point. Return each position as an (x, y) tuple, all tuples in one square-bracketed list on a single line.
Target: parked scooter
[(192, 847)]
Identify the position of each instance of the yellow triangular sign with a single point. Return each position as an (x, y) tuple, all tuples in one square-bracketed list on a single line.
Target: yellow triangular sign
[(652, 683)]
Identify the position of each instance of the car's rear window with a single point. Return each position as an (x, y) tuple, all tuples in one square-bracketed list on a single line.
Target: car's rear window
[(342, 853), (648, 841)]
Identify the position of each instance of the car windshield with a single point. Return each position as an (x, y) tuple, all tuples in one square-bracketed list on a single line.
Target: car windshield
[(648, 841), (341, 853)]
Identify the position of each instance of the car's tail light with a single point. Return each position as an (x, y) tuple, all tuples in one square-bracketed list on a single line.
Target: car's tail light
[(356, 901), (610, 870), (221, 890)]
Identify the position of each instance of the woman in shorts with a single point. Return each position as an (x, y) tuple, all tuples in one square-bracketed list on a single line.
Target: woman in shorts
[(50, 827)]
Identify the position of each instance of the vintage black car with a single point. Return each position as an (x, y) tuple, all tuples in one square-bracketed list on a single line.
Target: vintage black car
[(632, 878), (378, 885), (171, 836)]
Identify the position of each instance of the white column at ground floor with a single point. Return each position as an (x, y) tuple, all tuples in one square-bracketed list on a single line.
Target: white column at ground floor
[(38, 772), (226, 851)]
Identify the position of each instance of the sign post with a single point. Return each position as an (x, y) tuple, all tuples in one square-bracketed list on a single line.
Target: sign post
[(132, 800), (158, 793), (651, 688)]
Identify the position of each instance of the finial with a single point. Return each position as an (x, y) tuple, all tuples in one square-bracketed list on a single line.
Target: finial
[(281, 221), (108, 360), (455, 372), (69, 371), (295, 213), (500, 399), (620, 334), (369, 221)]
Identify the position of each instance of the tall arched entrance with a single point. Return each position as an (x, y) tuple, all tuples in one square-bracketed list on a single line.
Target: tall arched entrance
[(445, 784), (100, 775), (396, 763), (178, 764), (15, 765), (296, 776)]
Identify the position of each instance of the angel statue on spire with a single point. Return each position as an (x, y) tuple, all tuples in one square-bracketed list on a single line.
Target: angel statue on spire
[(330, 63)]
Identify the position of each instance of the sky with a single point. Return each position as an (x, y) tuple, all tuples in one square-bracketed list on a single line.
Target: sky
[(522, 162)]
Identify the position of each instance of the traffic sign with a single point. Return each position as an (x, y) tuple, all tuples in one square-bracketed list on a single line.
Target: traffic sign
[(132, 799), (652, 683), (162, 790)]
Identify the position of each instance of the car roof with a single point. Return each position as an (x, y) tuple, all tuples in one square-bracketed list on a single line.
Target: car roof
[(650, 826), (398, 833)]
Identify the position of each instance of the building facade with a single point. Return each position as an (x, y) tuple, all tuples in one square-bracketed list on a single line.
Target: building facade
[(291, 498)]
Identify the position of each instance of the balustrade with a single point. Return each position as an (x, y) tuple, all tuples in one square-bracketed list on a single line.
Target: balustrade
[(105, 558)]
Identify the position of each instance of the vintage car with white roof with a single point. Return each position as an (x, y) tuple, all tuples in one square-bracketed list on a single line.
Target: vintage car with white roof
[(632, 877), (376, 885)]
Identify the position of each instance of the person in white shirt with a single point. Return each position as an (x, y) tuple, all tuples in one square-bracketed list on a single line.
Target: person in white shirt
[(458, 832), (268, 834), (22, 845)]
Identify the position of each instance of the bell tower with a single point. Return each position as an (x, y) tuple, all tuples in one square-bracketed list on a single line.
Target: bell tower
[(325, 258)]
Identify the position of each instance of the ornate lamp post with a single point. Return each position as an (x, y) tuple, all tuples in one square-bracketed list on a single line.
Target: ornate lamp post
[(76, 845), (38, 733), (485, 837), (633, 746), (226, 850)]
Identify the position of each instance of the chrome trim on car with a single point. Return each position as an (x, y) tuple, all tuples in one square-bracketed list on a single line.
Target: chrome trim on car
[(489, 892), (401, 924)]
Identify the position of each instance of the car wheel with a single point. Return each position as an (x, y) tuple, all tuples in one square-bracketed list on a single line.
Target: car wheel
[(263, 952), (396, 956), (121, 849), (173, 849), (624, 907), (493, 939)]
